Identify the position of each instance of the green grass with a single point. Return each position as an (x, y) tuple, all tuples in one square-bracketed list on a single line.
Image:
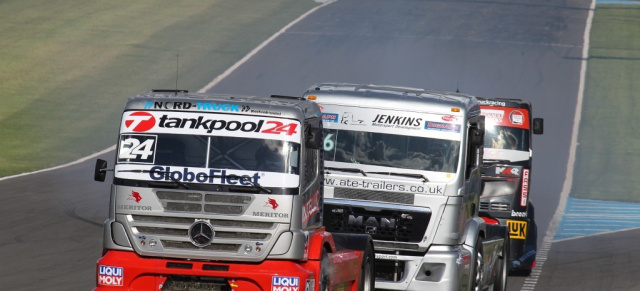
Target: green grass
[(608, 157), (69, 66)]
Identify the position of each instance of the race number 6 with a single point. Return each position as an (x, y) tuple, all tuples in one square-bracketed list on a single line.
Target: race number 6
[(329, 144)]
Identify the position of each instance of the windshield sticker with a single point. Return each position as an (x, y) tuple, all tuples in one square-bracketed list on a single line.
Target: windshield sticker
[(137, 148), (214, 124), (397, 122), (430, 188), (505, 116), (204, 106), (205, 176), (348, 118), (516, 117), (441, 126), (330, 117), (394, 121)]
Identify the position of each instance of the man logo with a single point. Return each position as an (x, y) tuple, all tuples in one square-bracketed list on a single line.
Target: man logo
[(140, 121)]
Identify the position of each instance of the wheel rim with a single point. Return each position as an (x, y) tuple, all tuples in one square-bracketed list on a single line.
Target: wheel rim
[(479, 273), (366, 286)]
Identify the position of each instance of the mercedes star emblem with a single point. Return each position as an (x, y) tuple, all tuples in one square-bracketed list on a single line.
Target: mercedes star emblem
[(201, 233)]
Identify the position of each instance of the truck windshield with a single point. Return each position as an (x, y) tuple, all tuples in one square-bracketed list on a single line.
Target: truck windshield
[(391, 150), (506, 138), (218, 152)]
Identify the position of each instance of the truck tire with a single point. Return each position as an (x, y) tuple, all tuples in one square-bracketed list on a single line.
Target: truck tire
[(478, 274), (325, 278), (500, 283), (367, 277)]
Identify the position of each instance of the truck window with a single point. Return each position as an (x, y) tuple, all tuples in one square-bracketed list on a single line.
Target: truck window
[(508, 138), (390, 150)]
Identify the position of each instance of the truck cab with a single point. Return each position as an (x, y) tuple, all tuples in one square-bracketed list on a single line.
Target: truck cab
[(507, 172), (222, 192), (404, 165)]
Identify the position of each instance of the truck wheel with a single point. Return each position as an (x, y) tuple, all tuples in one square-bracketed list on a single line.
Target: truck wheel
[(367, 277), (324, 272), (478, 273), (500, 283)]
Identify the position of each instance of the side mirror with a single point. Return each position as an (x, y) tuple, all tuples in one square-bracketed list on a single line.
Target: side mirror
[(314, 137), (476, 134), (538, 126), (100, 172)]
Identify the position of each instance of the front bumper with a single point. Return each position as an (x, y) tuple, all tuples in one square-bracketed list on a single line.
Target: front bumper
[(441, 268), (122, 270)]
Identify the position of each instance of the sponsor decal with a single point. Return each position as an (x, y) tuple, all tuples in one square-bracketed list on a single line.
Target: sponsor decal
[(383, 185), (349, 119), (386, 257), (169, 105), (441, 126), (310, 285), (245, 108), (281, 283), (135, 196), (397, 120), (311, 207), (524, 193), (210, 106), (271, 203), (270, 214), (517, 229), (330, 117), (507, 171), (140, 121), (492, 103), (372, 223), (518, 213), (394, 121), (110, 276), (516, 117), (267, 112), (158, 173), (135, 207), (493, 115), (273, 127), (137, 148), (449, 118)]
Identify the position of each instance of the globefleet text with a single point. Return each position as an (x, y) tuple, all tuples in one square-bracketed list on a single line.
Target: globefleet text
[(213, 176)]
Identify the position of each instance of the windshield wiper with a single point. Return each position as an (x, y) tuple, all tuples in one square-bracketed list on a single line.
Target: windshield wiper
[(178, 182), (410, 175), (350, 170), (255, 184), (491, 161)]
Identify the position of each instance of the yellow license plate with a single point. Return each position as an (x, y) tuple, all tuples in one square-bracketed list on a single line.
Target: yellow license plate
[(517, 229)]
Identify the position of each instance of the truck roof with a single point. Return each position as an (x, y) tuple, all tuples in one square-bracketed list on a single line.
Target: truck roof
[(398, 97), (504, 102), (276, 106)]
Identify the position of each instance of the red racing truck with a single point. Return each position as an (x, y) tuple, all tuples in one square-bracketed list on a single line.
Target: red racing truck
[(507, 173), (223, 192)]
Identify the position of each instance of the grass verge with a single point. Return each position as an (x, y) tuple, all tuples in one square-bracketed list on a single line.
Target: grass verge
[(68, 67), (608, 155)]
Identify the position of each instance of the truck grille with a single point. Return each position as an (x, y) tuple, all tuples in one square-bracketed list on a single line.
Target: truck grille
[(204, 203), (387, 224), (378, 196), (495, 206), (173, 232)]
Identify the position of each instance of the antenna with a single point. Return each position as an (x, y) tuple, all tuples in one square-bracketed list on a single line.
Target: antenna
[(177, 64), (457, 86)]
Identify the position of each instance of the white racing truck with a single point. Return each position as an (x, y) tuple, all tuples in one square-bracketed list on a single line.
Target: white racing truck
[(404, 165), (223, 192)]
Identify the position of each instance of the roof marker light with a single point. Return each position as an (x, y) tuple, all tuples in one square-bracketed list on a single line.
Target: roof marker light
[(455, 109), (312, 97)]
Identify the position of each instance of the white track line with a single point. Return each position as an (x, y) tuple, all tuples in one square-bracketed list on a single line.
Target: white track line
[(258, 48), (113, 147), (207, 87), (566, 187)]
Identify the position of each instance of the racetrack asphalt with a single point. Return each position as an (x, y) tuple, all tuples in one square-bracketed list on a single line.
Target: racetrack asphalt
[(51, 221)]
